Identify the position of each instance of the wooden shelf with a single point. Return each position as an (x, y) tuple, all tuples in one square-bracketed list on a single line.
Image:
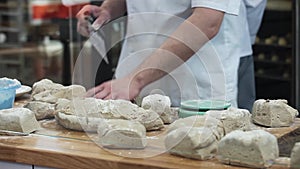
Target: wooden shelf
[(20, 50), (9, 29), (265, 61), (273, 77), (272, 46), (12, 24), (9, 13), (279, 5)]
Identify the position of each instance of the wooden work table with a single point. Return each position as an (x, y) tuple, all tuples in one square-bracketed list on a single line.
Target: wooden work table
[(54, 146)]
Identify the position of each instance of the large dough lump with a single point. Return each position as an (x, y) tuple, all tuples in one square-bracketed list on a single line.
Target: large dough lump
[(45, 94), (118, 133), (18, 119), (72, 113), (200, 121), (232, 119), (42, 110), (196, 142), (256, 148), (162, 106), (295, 156), (273, 113), (48, 91)]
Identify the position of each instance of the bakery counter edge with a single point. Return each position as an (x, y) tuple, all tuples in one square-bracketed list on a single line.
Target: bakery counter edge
[(68, 153), (54, 150)]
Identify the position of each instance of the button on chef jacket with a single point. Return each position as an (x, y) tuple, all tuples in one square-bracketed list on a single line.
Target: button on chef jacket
[(211, 73)]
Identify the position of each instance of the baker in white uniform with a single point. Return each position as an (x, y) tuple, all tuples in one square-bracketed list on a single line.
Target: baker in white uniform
[(185, 49), (246, 79)]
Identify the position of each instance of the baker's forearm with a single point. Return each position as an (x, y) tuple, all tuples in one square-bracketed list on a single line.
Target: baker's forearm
[(116, 8), (189, 37)]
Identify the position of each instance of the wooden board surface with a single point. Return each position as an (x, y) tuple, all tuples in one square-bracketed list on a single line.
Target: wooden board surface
[(286, 137), (55, 146), (62, 152)]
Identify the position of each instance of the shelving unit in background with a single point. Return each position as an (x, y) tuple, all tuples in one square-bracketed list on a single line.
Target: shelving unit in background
[(12, 25), (296, 52), (274, 53)]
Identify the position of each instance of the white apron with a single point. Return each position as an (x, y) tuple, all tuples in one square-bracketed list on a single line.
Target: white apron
[(211, 73)]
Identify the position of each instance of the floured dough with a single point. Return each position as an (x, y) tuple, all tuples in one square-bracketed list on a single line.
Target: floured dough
[(129, 111), (200, 121), (123, 109), (69, 121), (79, 114), (256, 148), (45, 96), (156, 102), (110, 109), (52, 95), (19, 120), (149, 119), (78, 123), (196, 142), (70, 92), (63, 105), (87, 107), (170, 115), (118, 133), (232, 119), (43, 85), (42, 110), (295, 156), (48, 91), (162, 106), (69, 101), (273, 113)]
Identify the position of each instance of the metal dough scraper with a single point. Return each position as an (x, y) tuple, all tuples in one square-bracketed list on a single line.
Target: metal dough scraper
[(12, 133), (97, 39), (88, 61)]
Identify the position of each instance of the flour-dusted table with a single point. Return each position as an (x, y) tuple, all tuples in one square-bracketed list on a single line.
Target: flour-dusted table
[(54, 146)]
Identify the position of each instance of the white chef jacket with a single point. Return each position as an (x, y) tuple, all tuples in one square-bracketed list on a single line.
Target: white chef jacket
[(209, 74), (255, 11)]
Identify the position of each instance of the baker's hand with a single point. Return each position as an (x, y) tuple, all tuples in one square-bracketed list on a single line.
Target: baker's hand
[(84, 26), (115, 89)]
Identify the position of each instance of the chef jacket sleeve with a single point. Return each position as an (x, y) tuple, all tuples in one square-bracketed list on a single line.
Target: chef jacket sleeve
[(253, 3), (227, 6)]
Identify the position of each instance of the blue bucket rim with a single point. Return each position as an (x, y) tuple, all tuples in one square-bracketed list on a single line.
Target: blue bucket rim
[(12, 84)]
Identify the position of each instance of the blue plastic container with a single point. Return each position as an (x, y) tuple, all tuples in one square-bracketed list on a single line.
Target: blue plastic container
[(8, 92)]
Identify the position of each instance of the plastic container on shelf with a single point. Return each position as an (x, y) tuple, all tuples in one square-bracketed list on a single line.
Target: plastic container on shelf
[(8, 92), (199, 107)]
